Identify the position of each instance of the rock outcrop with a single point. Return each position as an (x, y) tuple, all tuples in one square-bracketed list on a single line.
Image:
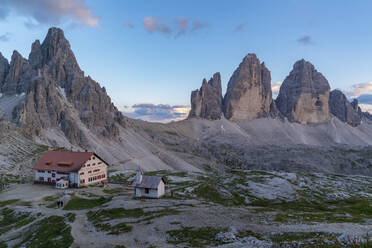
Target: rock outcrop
[(57, 94), (248, 94), (207, 101), (4, 68), (343, 109), (18, 77), (304, 95)]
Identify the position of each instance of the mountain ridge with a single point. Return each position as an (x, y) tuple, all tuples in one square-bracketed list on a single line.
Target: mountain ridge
[(49, 100)]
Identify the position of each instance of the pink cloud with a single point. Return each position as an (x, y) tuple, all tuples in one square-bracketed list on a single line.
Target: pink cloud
[(196, 25), (182, 25), (53, 11), (153, 24), (128, 24)]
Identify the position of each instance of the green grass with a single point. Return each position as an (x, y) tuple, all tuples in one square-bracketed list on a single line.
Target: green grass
[(121, 178), (48, 232), (70, 217), (50, 198), (195, 237), (312, 239), (209, 193), (175, 223), (115, 191), (114, 213), (24, 203), (156, 173), (77, 203), (304, 210), (295, 236), (100, 218), (3, 244), (10, 219), (8, 202), (120, 228)]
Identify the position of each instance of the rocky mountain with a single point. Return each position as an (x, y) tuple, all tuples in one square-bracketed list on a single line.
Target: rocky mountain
[(207, 101), (248, 94), (304, 95), (50, 102), (343, 109), (56, 92)]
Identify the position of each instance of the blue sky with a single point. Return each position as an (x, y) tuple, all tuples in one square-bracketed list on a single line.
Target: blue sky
[(152, 51)]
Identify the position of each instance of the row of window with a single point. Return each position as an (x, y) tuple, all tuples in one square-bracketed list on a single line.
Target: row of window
[(96, 170), (91, 179), (88, 165), (41, 179), (61, 173)]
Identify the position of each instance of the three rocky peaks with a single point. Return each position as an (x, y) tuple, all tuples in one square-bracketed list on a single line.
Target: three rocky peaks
[(304, 96)]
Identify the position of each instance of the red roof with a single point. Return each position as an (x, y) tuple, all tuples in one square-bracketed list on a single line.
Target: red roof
[(63, 161)]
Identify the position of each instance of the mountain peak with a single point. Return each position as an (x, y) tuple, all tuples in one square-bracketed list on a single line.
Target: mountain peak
[(304, 94), (207, 101), (55, 33), (250, 56), (56, 52), (248, 94), (16, 55), (302, 63)]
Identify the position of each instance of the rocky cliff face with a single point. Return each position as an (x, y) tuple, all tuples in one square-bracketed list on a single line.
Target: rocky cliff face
[(19, 76), (4, 68), (343, 109), (57, 94), (207, 101), (304, 95), (248, 94)]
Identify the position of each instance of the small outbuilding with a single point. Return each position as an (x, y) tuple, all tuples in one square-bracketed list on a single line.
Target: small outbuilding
[(62, 184), (149, 186)]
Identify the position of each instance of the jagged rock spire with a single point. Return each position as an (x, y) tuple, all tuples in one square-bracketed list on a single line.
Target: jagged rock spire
[(207, 101), (19, 75), (4, 68)]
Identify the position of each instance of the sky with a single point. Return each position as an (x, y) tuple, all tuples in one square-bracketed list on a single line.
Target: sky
[(150, 54)]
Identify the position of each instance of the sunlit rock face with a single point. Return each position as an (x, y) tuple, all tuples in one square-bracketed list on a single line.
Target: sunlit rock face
[(304, 95), (248, 94)]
